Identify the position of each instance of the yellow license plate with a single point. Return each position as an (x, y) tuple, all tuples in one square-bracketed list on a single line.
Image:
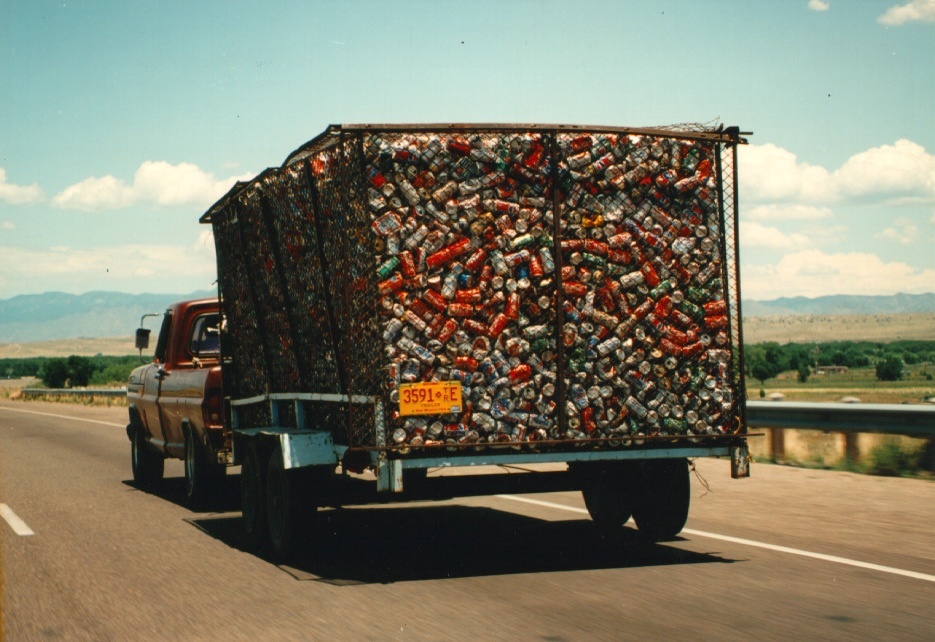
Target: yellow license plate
[(430, 398)]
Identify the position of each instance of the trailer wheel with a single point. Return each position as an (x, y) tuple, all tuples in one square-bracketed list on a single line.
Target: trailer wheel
[(202, 476), (253, 499), (661, 509), (285, 508), (608, 496), (148, 467)]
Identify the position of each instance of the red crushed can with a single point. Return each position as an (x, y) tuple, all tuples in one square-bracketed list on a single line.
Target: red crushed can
[(498, 324), (574, 288), (460, 309), (716, 322), (435, 300), (511, 310), (407, 263), (520, 373), (469, 295), (448, 254), (448, 330), (476, 260), (714, 308), (469, 364)]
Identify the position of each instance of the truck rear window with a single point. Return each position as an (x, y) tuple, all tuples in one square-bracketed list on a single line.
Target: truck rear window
[(205, 339)]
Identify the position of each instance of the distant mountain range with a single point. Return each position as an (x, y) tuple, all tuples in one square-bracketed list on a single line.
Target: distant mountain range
[(841, 304), (55, 315)]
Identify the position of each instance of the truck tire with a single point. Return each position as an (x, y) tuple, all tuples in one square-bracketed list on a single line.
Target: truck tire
[(148, 466), (286, 510), (253, 499), (202, 476), (608, 496), (661, 509)]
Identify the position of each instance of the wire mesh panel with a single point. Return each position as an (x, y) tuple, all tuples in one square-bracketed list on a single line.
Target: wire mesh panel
[(644, 314), (290, 201), (729, 207), (578, 286), (244, 368)]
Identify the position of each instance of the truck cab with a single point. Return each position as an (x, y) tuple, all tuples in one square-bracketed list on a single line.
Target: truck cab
[(175, 401)]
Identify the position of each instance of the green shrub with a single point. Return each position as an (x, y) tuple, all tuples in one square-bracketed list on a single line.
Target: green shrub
[(892, 460)]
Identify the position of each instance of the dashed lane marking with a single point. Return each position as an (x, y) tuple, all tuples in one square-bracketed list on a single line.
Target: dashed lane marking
[(749, 542), (19, 526)]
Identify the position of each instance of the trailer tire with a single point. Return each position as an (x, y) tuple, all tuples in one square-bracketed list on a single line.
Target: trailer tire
[(202, 476), (661, 509), (608, 497), (148, 466), (285, 507), (253, 499)]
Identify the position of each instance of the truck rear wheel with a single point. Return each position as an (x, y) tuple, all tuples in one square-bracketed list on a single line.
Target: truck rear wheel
[(661, 509), (253, 499), (148, 467), (202, 476), (608, 496)]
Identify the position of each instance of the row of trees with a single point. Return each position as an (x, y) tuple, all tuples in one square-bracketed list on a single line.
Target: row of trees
[(71, 372), (766, 360)]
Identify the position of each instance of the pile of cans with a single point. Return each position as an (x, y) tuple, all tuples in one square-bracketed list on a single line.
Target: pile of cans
[(607, 322), (575, 284)]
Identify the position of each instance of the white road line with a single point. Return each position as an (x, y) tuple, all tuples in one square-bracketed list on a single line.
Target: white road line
[(49, 414), (19, 526), (749, 542)]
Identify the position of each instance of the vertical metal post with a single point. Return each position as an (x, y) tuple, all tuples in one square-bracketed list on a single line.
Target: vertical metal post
[(559, 299), (741, 381), (299, 408)]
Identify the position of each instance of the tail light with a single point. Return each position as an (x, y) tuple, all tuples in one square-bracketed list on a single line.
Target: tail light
[(213, 406)]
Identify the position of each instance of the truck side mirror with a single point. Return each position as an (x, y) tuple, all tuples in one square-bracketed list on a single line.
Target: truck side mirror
[(142, 338)]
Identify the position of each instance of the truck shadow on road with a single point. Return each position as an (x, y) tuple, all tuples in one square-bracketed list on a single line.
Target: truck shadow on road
[(172, 489), (379, 545)]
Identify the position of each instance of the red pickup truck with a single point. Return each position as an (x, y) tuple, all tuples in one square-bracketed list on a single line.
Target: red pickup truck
[(176, 402)]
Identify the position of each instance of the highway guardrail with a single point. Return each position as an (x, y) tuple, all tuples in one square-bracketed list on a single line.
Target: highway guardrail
[(73, 392), (911, 420)]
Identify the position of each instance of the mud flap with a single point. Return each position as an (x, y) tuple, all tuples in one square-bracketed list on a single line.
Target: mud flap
[(739, 461)]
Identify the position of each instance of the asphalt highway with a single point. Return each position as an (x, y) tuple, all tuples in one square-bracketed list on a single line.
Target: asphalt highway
[(787, 554)]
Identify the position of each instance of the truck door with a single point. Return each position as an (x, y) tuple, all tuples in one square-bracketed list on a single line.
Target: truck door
[(149, 405), (194, 351)]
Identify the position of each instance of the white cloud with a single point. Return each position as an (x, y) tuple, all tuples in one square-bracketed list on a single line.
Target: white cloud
[(755, 235), (19, 194), (771, 173), (901, 173), (119, 268), (818, 5), (913, 11), (812, 273), (904, 168), (903, 232), (787, 212), (155, 182), (7, 225), (105, 193)]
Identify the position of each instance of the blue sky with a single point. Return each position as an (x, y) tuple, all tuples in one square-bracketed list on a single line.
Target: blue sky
[(121, 122)]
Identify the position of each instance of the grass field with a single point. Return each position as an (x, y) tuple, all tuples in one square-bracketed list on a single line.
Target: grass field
[(815, 328), (116, 347)]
